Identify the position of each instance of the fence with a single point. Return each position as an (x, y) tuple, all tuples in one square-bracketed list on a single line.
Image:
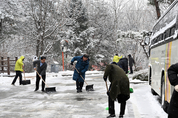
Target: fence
[(5, 64)]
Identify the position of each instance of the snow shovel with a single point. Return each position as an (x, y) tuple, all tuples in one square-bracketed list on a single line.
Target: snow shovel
[(48, 89), (25, 82), (88, 87)]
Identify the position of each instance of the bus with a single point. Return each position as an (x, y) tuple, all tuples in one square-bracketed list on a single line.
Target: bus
[(163, 51)]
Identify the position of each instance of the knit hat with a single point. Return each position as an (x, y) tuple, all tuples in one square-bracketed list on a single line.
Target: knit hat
[(86, 55)]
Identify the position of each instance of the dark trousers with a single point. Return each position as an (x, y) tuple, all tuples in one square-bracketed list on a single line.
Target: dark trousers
[(18, 74), (38, 80), (170, 116), (111, 106), (79, 85), (131, 70)]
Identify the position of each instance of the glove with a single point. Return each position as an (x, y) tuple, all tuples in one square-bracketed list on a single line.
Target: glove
[(176, 88), (107, 93), (105, 78), (71, 63)]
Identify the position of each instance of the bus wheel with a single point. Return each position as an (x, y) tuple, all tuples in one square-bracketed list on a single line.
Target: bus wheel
[(162, 99), (153, 92), (163, 103), (149, 77)]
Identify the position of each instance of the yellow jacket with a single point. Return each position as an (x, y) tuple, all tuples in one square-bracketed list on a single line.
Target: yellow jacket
[(116, 58), (19, 64)]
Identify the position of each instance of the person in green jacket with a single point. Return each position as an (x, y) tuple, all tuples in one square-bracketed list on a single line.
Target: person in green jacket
[(119, 88), (19, 69)]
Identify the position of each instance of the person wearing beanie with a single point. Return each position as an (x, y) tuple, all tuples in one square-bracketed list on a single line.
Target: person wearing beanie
[(131, 63), (81, 66)]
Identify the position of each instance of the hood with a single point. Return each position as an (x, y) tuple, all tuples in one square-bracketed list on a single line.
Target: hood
[(22, 57)]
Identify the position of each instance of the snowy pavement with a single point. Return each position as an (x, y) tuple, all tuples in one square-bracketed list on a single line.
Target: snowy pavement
[(21, 101)]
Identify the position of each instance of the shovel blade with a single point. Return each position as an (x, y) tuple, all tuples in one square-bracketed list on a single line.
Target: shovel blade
[(50, 89), (25, 82), (89, 88)]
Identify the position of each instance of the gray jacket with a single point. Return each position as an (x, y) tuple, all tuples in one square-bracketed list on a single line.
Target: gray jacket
[(41, 70)]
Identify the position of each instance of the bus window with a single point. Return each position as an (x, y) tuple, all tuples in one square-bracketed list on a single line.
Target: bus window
[(168, 33), (172, 30), (155, 40), (164, 35), (152, 42), (161, 37)]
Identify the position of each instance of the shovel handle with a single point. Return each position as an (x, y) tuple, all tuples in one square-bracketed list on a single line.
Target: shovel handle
[(41, 78), (81, 75), (24, 75), (106, 86)]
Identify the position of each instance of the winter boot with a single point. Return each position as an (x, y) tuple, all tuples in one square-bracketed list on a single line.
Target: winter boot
[(111, 116), (121, 116), (78, 90), (36, 90)]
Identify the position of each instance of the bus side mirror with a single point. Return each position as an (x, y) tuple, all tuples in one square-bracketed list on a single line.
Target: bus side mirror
[(147, 40)]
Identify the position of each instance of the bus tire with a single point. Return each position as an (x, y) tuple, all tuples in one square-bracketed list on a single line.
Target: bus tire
[(163, 103), (153, 92), (149, 79)]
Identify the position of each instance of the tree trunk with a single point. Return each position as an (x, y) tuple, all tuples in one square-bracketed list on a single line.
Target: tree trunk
[(42, 46), (1, 27), (157, 9), (37, 48)]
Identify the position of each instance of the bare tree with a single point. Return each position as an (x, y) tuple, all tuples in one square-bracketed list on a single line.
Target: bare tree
[(47, 19)]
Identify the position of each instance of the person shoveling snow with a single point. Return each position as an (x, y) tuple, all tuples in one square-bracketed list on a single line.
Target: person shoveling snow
[(40, 66), (19, 66), (80, 68), (119, 88)]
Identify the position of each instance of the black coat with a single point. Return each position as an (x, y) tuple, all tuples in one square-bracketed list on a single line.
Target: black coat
[(41, 70), (123, 63), (172, 75), (131, 61)]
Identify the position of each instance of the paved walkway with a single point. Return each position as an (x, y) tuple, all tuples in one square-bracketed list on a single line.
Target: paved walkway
[(23, 102)]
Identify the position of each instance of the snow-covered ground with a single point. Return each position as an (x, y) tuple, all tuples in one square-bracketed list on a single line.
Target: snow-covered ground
[(21, 101)]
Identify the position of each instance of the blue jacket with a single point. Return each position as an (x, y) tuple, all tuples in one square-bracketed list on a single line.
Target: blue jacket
[(81, 66)]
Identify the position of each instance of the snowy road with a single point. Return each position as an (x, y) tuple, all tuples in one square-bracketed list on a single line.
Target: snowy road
[(23, 102)]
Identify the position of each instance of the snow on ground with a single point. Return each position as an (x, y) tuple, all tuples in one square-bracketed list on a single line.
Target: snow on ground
[(22, 101)]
